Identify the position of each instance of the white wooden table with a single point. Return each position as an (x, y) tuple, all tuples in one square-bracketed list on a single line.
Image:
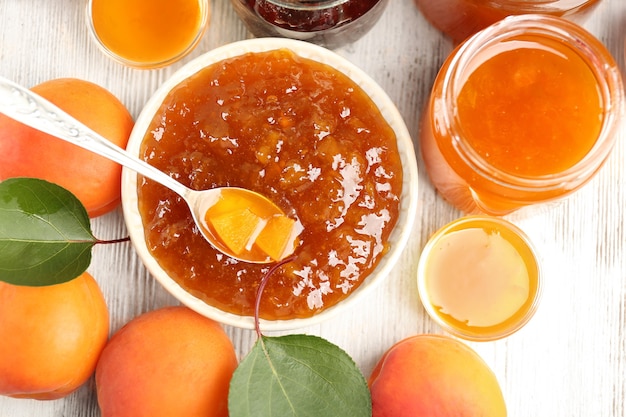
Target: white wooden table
[(570, 360)]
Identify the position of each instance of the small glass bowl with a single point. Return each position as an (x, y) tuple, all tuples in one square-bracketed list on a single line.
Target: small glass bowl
[(479, 278), (329, 23), (113, 48)]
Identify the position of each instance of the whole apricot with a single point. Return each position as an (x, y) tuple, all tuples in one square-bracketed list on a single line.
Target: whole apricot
[(50, 337), (27, 152), (166, 362), (434, 376)]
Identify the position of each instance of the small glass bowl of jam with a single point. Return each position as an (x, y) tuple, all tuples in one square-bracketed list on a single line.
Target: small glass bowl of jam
[(479, 278), (147, 34), (301, 125), (330, 23)]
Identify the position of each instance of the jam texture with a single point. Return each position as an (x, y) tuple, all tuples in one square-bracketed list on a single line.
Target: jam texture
[(299, 132)]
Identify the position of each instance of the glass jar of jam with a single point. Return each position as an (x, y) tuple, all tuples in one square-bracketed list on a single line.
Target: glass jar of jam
[(525, 111), (330, 23), (462, 18)]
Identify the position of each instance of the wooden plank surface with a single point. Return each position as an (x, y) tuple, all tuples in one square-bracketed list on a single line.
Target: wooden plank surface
[(570, 360)]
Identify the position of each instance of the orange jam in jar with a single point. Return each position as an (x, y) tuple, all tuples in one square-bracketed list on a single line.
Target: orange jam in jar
[(523, 112), (147, 33), (298, 132), (460, 19), (479, 278)]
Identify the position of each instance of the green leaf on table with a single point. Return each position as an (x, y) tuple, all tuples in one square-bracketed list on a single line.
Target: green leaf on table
[(45, 233), (298, 375)]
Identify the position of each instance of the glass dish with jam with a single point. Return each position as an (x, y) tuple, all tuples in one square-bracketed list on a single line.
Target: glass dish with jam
[(330, 23), (147, 34)]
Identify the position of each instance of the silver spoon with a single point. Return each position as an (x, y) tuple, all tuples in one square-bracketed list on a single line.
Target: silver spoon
[(23, 105)]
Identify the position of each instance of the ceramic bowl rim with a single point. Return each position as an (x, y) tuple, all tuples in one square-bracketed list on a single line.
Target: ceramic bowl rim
[(408, 203)]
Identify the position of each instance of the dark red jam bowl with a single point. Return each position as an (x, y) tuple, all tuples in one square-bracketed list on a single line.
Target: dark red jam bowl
[(330, 23)]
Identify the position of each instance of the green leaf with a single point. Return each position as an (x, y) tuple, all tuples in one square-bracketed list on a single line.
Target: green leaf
[(298, 375), (45, 233)]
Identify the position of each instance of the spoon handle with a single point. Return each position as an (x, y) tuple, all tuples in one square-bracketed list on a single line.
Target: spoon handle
[(29, 108)]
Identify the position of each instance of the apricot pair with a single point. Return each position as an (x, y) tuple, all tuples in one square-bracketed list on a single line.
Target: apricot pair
[(166, 362), (27, 152)]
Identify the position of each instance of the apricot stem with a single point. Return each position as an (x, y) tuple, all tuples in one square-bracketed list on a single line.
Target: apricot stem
[(107, 242), (259, 292)]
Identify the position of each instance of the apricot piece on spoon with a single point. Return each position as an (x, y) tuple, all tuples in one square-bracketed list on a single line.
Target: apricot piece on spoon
[(236, 228), (276, 236)]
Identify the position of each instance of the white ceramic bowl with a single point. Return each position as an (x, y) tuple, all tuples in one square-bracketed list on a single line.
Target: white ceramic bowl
[(408, 204)]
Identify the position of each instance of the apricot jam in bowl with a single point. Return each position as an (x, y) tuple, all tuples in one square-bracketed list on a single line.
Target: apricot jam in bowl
[(302, 126), (479, 278)]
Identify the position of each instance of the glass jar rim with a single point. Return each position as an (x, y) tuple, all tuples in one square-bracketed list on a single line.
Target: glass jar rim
[(595, 55), (537, 6), (308, 4), (316, 5)]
